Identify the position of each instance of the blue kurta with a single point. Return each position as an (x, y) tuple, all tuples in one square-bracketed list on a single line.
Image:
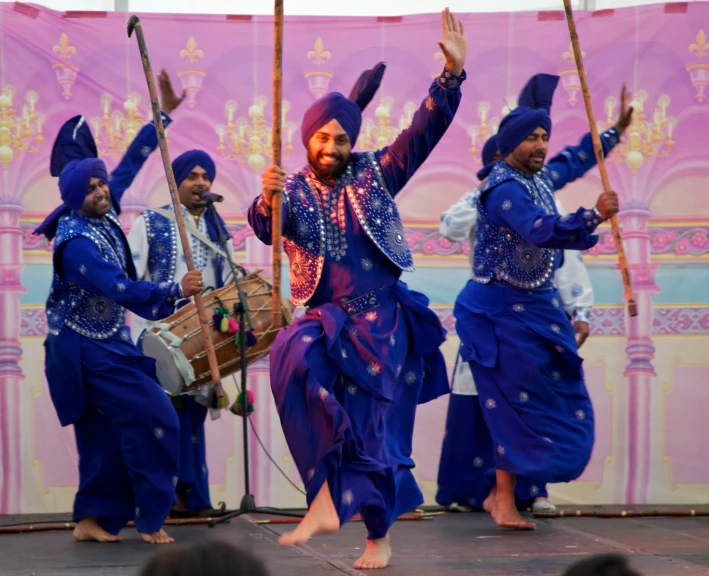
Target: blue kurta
[(347, 375), (126, 430), (467, 454), (515, 334)]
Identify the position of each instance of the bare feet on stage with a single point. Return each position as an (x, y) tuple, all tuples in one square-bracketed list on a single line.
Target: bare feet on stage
[(376, 555), (320, 519), (160, 537), (88, 530), (501, 506)]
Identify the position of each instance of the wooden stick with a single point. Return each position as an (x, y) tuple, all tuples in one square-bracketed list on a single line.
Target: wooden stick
[(276, 200), (134, 24), (598, 148)]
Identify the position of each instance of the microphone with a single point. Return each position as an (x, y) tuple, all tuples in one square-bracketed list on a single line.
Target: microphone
[(210, 196)]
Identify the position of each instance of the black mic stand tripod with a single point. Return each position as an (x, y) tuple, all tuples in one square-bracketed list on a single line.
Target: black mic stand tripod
[(241, 308)]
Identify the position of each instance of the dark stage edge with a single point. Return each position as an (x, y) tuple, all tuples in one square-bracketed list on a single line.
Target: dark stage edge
[(449, 544)]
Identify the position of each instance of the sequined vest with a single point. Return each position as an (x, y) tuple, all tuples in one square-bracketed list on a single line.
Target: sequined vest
[(162, 250), (304, 235), (501, 253), (162, 247), (69, 304)]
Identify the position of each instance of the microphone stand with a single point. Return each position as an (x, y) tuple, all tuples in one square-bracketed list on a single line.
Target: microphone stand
[(241, 308)]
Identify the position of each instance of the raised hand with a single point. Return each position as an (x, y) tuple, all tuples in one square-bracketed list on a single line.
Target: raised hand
[(626, 111), (169, 101), (454, 45)]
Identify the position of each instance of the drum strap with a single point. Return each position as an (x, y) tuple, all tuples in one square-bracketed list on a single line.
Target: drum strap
[(181, 362), (192, 229)]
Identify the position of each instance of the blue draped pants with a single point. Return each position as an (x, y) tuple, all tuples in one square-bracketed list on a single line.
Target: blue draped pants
[(346, 389)]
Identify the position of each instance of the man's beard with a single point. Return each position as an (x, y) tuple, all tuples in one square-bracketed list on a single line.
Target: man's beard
[(533, 166), (328, 173)]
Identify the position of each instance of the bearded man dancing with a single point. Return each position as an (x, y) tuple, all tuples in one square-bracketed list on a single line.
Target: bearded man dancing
[(348, 374), (513, 329), (467, 448), (126, 430)]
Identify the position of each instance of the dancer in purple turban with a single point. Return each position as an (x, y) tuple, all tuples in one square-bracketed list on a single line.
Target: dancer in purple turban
[(512, 326), (347, 376)]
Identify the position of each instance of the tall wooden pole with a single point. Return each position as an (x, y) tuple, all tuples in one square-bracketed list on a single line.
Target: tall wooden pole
[(598, 148), (276, 201), (134, 25)]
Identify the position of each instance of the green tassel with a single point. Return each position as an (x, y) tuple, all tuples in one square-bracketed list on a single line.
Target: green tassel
[(224, 327)]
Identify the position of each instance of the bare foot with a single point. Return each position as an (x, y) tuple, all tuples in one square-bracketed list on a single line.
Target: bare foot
[(489, 503), (160, 537), (320, 519), (505, 513), (88, 530), (376, 555)]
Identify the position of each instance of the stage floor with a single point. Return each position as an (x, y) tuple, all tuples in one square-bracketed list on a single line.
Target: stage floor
[(448, 544)]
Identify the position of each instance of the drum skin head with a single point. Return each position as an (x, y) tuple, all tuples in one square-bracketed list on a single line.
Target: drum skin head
[(168, 375)]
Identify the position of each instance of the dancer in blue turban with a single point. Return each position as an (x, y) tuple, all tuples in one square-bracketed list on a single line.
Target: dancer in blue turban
[(126, 430), (158, 257), (467, 447), (513, 330), (347, 375)]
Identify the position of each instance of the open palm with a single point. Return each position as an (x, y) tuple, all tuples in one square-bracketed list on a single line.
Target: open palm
[(454, 45), (626, 111)]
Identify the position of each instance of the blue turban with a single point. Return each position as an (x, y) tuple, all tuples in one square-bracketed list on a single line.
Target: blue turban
[(488, 157), (533, 112), (74, 142), (347, 111), (76, 177), (185, 163)]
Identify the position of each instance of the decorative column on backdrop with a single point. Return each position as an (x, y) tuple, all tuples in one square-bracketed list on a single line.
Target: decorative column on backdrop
[(20, 135), (10, 351), (648, 137)]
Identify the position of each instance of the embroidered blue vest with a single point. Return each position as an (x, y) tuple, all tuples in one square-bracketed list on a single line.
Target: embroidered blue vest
[(162, 249), (501, 253), (304, 234), (85, 312)]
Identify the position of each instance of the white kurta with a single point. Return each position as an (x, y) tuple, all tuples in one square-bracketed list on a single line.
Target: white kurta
[(203, 257), (572, 280)]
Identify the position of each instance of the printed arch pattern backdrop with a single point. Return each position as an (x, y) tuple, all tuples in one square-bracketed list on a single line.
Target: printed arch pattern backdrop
[(647, 377)]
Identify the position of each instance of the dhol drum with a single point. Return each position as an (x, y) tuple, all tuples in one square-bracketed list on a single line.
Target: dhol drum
[(177, 345)]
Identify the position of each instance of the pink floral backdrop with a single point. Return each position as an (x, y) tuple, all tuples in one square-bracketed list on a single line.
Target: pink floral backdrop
[(647, 375)]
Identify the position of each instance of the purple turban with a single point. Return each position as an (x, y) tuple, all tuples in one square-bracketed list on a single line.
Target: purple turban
[(533, 112), (76, 177), (185, 163), (347, 111)]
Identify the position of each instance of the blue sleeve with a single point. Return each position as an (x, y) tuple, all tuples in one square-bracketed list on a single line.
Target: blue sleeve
[(408, 152), (510, 206), (82, 263), (138, 151), (261, 219), (574, 161)]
